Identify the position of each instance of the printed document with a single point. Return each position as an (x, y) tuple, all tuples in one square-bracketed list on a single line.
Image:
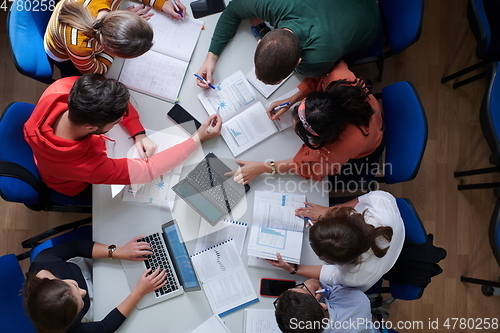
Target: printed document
[(275, 228)]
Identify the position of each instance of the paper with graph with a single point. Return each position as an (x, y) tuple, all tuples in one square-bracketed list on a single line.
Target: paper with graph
[(160, 71), (275, 228), (245, 122)]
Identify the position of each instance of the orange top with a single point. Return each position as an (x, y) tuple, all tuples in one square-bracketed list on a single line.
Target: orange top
[(354, 142)]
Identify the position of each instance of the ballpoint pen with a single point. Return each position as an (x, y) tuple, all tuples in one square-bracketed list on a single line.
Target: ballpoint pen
[(322, 291), (281, 106), (212, 122), (204, 81), (176, 8)]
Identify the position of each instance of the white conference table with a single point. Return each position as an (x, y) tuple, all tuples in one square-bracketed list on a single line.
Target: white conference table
[(117, 222)]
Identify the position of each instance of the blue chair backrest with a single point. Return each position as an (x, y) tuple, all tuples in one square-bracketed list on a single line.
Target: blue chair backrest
[(490, 109), (26, 27), (405, 132), (84, 232), (494, 232), (403, 22), (13, 148), (415, 231), (12, 315)]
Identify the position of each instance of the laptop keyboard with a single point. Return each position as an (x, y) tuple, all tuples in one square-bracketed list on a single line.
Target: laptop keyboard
[(160, 259), (213, 184)]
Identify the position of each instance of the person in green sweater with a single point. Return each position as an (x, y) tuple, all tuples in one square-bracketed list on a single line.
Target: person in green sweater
[(308, 36)]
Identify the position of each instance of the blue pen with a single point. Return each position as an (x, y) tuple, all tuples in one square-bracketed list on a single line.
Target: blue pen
[(322, 291), (309, 221), (176, 8), (281, 106), (204, 81)]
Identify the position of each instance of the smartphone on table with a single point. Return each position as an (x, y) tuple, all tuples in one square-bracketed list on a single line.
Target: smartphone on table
[(179, 115), (275, 287)]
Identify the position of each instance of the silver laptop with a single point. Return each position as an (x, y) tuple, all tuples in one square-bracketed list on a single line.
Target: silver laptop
[(208, 191), (169, 252)]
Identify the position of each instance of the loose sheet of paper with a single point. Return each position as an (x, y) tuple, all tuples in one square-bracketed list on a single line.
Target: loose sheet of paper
[(260, 321)]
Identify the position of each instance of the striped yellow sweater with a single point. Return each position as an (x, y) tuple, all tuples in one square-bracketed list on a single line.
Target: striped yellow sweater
[(63, 42)]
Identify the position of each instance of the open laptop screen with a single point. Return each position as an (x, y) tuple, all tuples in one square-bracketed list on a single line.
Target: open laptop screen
[(196, 199), (180, 258)]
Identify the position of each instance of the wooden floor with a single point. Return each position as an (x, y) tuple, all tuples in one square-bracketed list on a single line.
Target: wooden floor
[(459, 220)]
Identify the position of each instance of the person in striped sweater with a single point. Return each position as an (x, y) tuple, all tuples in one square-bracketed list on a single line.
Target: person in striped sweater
[(83, 36)]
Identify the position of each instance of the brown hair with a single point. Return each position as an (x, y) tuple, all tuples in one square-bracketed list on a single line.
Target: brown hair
[(342, 235), (120, 32), (50, 304), (276, 56)]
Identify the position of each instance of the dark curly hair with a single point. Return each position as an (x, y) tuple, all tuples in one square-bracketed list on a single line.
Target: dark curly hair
[(329, 112)]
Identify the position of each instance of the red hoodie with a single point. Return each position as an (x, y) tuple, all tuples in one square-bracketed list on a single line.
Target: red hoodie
[(68, 166)]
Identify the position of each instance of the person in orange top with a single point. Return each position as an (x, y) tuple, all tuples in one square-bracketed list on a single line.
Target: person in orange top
[(83, 36), (339, 121)]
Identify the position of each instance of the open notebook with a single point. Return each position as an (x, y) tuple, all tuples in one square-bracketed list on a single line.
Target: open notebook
[(160, 71), (245, 121)]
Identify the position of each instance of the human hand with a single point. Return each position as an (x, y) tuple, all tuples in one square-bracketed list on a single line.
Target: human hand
[(169, 8), (275, 114), (247, 171), (206, 70), (141, 10), (210, 128), (313, 211), (281, 263), (145, 146), (133, 250), (151, 280)]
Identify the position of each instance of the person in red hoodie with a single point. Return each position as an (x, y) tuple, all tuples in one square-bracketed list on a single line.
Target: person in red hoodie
[(66, 132)]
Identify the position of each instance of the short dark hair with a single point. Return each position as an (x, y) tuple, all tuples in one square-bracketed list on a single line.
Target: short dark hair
[(276, 56), (330, 111), (342, 236), (294, 307), (97, 101), (50, 304)]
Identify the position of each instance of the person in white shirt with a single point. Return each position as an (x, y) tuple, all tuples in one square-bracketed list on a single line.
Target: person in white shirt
[(360, 240)]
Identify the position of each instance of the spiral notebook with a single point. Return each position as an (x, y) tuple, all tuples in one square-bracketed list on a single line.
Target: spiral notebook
[(209, 235), (224, 278)]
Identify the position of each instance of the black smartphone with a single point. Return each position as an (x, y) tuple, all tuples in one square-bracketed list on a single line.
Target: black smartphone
[(184, 119), (275, 287)]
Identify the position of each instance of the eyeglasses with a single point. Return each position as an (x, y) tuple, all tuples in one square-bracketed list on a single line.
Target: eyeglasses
[(300, 286)]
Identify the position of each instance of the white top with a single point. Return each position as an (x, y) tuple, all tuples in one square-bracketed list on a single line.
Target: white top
[(382, 210)]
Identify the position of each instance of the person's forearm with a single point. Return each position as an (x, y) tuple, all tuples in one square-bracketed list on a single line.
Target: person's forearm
[(350, 203), (308, 271), (129, 303), (100, 251)]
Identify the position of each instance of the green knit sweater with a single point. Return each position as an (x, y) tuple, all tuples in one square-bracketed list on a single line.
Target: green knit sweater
[(327, 29)]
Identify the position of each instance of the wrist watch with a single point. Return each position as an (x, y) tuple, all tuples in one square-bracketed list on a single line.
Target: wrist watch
[(273, 168), (295, 268), (257, 28), (111, 249)]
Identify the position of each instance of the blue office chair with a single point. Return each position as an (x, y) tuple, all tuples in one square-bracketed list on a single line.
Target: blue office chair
[(405, 136), (489, 117), (405, 132), (12, 315), (19, 177), (401, 28), (416, 233), (490, 288), (484, 18), (25, 29)]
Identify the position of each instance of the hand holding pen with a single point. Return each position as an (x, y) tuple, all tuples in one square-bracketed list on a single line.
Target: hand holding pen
[(277, 108), (214, 121), (204, 81), (175, 8)]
